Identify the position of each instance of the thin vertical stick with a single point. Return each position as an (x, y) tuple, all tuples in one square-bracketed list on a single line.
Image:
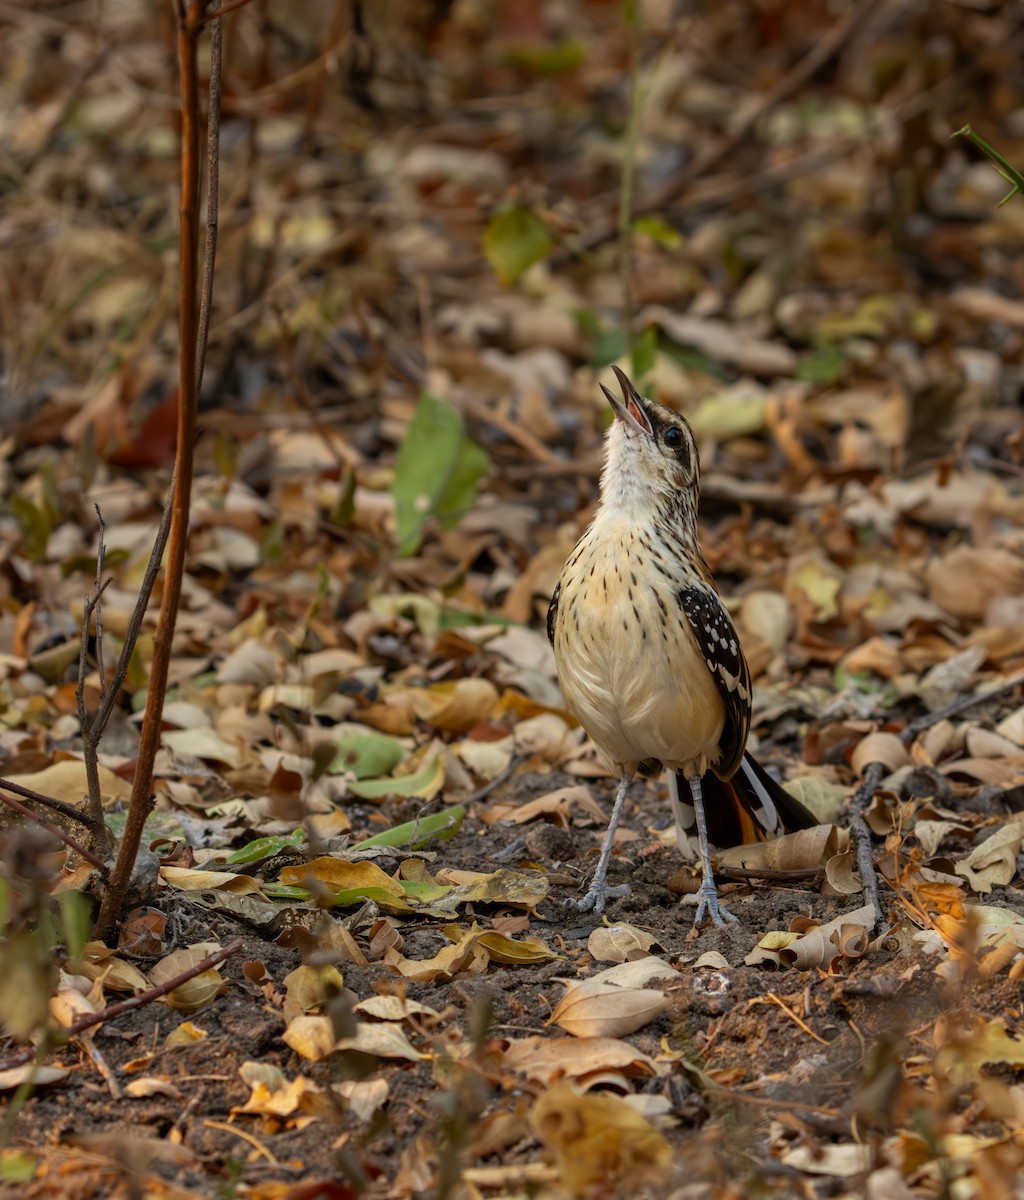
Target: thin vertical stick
[(212, 195), (101, 551), (191, 15)]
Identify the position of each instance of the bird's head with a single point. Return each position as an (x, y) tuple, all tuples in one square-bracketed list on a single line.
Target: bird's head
[(651, 450)]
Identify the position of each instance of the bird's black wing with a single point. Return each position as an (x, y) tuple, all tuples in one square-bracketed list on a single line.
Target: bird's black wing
[(720, 645), (553, 612)]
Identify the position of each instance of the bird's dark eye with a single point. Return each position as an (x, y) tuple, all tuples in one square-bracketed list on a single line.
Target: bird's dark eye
[(673, 437)]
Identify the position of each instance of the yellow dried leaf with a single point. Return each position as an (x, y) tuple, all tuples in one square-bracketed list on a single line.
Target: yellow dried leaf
[(504, 949), (967, 1050), (466, 955), (186, 1034), (467, 702), (190, 879), (335, 874), (311, 1037), (599, 1140), (526, 889)]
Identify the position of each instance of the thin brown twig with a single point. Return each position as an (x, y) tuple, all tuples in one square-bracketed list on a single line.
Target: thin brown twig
[(92, 733), (93, 606), (771, 998), (129, 1005), (958, 707), (212, 190), (136, 620), (513, 431), (57, 832), (861, 836), (191, 16), (764, 873), (101, 552), (66, 810)]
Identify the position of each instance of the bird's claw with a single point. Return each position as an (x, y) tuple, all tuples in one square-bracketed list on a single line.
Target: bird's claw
[(708, 904), (598, 895)]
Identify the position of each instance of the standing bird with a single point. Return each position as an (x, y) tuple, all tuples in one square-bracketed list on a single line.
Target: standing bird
[(647, 654)]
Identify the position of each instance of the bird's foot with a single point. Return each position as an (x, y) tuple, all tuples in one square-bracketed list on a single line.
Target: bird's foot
[(598, 895), (708, 905)]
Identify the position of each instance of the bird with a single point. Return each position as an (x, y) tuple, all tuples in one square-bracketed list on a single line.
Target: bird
[(647, 655)]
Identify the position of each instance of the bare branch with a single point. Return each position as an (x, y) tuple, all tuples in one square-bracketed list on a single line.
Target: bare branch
[(57, 832), (101, 551), (129, 1005), (212, 194), (191, 16), (66, 810)]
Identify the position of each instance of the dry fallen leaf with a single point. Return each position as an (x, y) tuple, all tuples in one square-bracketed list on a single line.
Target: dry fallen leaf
[(546, 1059), (964, 1049), (598, 1140), (615, 1002), (994, 862), (619, 943), (199, 991)]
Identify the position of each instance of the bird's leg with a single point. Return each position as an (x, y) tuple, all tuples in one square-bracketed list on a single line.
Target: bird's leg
[(599, 892), (708, 903)]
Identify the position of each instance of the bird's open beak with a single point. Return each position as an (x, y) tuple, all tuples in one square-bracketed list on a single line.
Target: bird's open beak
[(632, 411)]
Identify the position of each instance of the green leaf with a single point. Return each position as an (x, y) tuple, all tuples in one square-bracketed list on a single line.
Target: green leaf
[(272, 542), (645, 351), (282, 891), (76, 919), (420, 892), (17, 1166), (471, 465), (34, 524), (413, 834), (366, 755), (558, 59), (514, 240), (437, 471), (825, 365), (161, 824), (609, 346), (264, 847), (345, 509), (425, 782), (691, 359), (1005, 168), (659, 232), (386, 900)]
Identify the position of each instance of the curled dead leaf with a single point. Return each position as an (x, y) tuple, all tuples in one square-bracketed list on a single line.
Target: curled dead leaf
[(199, 991), (619, 943), (847, 936), (995, 860), (840, 871), (884, 748)]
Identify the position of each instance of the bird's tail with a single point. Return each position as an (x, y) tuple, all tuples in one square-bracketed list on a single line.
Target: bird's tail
[(749, 807)]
